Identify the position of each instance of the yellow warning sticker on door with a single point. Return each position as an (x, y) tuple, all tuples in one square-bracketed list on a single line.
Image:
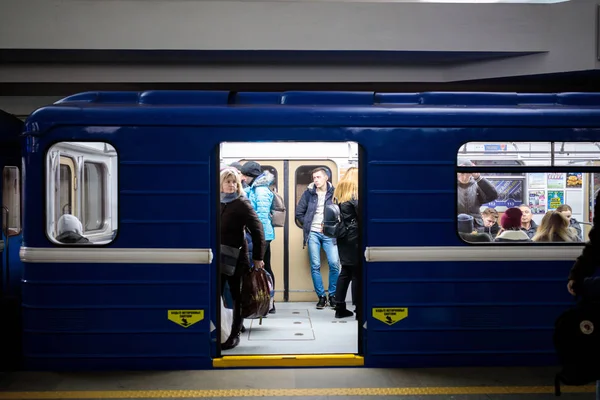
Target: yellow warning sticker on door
[(390, 315), (186, 318)]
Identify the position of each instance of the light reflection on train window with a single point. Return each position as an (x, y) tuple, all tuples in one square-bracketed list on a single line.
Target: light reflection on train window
[(523, 205), (303, 178), (81, 193)]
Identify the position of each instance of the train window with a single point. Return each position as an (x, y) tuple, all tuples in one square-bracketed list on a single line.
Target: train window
[(81, 199), (93, 193), (11, 201), (303, 178), (530, 192)]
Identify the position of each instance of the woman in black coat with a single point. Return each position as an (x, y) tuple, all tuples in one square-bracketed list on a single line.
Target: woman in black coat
[(346, 196), (236, 214)]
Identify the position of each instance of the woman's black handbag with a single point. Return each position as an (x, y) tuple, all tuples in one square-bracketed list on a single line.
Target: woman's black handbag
[(229, 259)]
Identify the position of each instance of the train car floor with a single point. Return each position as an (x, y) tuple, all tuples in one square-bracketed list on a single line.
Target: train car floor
[(298, 328), (301, 384)]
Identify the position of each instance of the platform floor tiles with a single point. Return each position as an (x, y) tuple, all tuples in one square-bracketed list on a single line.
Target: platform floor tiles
[(298, 328), (293, 383)]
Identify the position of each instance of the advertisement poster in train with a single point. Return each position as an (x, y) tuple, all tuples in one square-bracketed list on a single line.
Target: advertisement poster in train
[(510, 193), (556, 180), (574, 180), (537, 201), (536, 180), (555, 199)]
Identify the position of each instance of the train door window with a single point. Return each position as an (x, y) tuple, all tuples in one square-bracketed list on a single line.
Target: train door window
[(543, 191), (304, 178), (11, 201), (82, 176), (93, 194)]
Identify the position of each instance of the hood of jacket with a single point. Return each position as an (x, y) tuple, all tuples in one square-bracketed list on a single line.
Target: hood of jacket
[(313, 190), (264, 179)]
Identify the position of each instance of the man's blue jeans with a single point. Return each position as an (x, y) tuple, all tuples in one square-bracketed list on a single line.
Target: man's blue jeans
[(317, 240), (597, 390)]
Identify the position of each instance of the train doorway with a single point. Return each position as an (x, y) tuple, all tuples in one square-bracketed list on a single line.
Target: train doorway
[(296, 328)]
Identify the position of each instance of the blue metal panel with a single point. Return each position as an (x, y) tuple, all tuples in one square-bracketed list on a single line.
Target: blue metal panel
[(484, 313), (102, 97), (397, 98), (328, 98), (192, 97), (258, 98)]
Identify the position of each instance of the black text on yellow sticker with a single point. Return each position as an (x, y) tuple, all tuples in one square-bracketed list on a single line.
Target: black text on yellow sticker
[(390, 315), (186, 318)]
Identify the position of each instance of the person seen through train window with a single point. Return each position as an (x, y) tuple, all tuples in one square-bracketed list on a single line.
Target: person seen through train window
[(473, 191), (467, 232), (261, 198), (237, 213), (554, 228), (586, 264), (567, 212), (490, 222), (346, 196), (309, 214), (528, 225), (70, 230), (510, 224)]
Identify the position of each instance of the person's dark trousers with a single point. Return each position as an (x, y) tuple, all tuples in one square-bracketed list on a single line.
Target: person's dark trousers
[(235, 289), (347, 275)]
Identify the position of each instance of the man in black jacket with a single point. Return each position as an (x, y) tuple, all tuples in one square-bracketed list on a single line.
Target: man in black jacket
[(309, 213), (587, 263)]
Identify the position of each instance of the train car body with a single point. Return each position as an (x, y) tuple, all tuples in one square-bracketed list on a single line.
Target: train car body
[(427, 297), (10, 265)]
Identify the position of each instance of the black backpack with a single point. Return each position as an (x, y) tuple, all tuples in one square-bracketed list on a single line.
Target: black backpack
[(333, 223), (577, 341)]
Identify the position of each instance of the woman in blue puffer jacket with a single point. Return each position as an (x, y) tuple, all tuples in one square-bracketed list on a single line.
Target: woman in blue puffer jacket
[(261, 198)]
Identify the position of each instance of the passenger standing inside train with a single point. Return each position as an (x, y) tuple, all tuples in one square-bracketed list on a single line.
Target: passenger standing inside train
[(238, 166), (527, 223), (237, 213), (587, 263), (261, 198), (309, 214), (346, 196), (567, 212), (473, 191), (511, 227)]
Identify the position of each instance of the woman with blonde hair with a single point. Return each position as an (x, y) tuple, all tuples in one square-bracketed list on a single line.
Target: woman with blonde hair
[(236, 214), (346, 196), (554, 228)]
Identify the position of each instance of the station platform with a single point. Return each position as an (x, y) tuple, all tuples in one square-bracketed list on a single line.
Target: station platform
[(305, 383)]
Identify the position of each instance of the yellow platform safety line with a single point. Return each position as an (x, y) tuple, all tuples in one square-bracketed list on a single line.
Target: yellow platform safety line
[(401, 391), (290, 360)]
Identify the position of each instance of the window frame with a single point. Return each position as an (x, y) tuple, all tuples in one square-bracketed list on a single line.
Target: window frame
[(108, 158), (6, 227), (105, 196)]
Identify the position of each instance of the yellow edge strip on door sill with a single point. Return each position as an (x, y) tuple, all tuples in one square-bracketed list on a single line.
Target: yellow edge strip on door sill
[(290, 360)]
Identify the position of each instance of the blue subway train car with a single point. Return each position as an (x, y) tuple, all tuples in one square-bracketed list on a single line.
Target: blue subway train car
[(136, 175), (11, 128)]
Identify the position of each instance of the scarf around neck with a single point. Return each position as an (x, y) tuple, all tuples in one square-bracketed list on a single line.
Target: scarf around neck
[(229, 197)]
